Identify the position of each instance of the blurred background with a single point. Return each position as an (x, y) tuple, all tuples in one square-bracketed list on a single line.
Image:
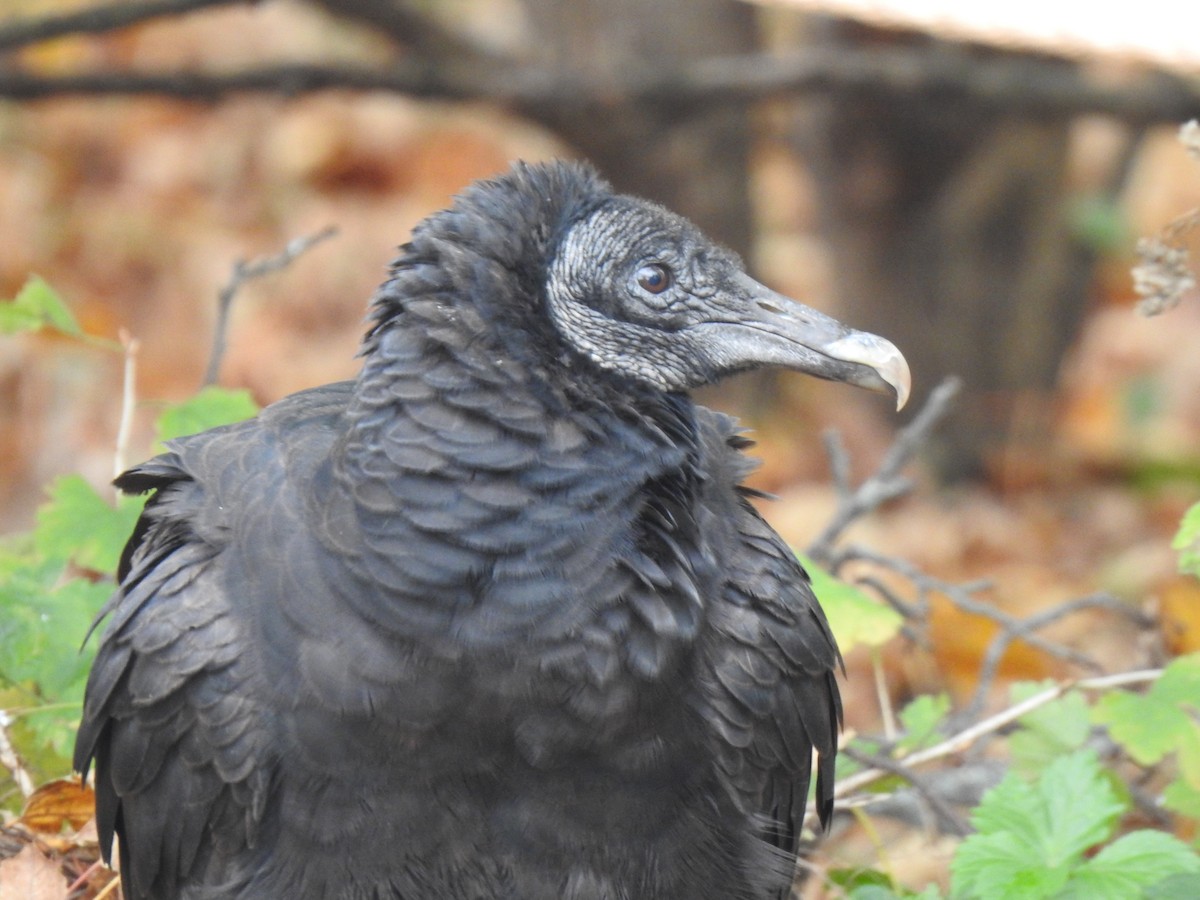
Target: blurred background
[(969, 183)]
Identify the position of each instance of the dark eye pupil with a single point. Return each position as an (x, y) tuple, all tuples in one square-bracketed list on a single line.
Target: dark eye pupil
[(654, 278)]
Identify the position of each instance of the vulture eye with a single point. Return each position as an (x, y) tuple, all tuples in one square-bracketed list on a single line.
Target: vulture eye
[(654, 278)]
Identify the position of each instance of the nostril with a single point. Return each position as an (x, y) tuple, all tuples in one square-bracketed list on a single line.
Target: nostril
[(768, 306)]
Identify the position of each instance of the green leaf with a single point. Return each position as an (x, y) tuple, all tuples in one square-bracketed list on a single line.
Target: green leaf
[(1129, 864), (1187, 541), (37, 306), (1050, 731), (878, 892), (211, 407), (80, 526), (1000, 867), (1030, 837), (1176, 887), (871, 884), (850, 879), (922, 718), (854, 617), (1163, 720), (43, 619), (1082, 807), (1183, 798), (873, 892)]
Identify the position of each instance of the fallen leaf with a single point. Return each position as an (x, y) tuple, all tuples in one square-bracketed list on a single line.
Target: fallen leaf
[(59, 803), (31, 875), (1179, 604)]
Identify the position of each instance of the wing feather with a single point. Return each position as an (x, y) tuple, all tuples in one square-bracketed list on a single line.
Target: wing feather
[(169, 717), (771, 692)]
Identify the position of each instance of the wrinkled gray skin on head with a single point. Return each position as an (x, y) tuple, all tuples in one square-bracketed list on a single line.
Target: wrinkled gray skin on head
[(712, 320)]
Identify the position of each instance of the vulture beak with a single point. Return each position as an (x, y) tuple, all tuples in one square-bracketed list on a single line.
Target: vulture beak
[(773, 329)]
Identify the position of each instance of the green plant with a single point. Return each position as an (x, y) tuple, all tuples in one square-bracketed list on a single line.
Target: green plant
[(55, 578)]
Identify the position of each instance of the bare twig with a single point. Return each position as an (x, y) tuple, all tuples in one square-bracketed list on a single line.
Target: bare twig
[(11, 761), (886, 483), (960, 786), (1013, 629), (884, 696), (128, 401), (109, 889), (1019, 84), (962, 596), (948, 819), (244, 271), (969, 735), (21, 32), (83, 877)]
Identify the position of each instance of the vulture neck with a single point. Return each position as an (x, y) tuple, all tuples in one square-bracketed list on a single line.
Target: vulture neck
[(493, 489)]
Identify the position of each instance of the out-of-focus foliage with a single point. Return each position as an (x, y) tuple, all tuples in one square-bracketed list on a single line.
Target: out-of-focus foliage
[(55, 578), (210, 407), (1051, 829), (1035, 840), (37, 306), (1060, 727), (1187, 542), (855, 618)]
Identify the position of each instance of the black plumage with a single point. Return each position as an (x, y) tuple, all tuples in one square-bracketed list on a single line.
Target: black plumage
[(496, 619)]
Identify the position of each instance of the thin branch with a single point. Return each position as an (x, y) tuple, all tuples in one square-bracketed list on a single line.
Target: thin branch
[(1023, 629), (21, 32), (288, 79), (967, 736), (83, 877), (11, 761), (962, 597), (128, 401), (839, 463), (962, 785), (1014, 83), (886, 483), (948, 819), (109, 889), (244, 271), (883, 696)]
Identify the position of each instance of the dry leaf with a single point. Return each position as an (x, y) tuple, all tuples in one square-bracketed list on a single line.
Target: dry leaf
[(59, 803), (1179, 604), (31, 875)]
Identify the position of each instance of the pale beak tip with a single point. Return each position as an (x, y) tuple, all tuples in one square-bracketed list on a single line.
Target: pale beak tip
[(879, 355), (896, 374)]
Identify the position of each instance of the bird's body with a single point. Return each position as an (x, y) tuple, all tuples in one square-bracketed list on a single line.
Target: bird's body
[(495, 620)]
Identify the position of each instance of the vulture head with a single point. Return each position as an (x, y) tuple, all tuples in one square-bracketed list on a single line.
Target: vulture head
[(668, 307), (628, 287)]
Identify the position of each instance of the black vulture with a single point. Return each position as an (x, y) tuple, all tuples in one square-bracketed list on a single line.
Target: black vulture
[(496, 619)]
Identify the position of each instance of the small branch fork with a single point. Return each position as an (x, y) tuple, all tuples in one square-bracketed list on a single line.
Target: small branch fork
[(244, 271), (884, 485)]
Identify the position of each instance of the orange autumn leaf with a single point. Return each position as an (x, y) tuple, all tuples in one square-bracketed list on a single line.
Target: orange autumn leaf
[(59, 803), (1179, 612), (960, 641)]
